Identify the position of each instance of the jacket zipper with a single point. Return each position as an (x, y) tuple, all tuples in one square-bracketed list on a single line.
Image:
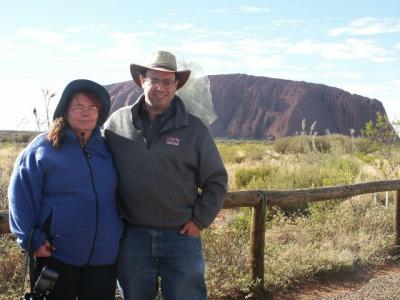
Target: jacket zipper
[(148, 144), (144, 139), (87, 156), (142, 135)]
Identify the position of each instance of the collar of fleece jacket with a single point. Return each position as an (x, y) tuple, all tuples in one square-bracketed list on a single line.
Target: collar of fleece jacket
[(94, 145), (181, 117)]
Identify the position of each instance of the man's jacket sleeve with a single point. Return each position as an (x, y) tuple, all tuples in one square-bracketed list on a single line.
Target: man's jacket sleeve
[(212, 179)]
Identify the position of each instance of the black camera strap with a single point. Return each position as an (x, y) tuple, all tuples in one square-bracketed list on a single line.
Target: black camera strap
[(32, 271), (28, 254)]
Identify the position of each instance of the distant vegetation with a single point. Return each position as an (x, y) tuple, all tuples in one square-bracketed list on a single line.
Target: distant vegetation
[(16, 137), (327, 237)]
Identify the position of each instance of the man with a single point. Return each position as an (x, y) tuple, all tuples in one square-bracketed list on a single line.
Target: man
[(172, 184)]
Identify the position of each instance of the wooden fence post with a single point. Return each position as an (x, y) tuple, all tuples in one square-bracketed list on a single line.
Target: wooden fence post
[(397, 217), (4, 227), (257, 242)]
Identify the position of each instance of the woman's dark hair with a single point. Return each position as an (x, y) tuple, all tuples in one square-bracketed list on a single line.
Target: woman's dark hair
[(56, 134)]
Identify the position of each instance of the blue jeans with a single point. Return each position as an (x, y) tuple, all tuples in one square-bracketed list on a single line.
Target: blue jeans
[(147, 254)]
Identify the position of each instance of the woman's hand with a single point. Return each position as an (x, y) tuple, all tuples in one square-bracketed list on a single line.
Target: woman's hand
[(44, 250)]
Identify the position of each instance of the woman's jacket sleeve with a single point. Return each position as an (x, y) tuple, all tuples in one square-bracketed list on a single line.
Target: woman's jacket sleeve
[(24, 196)]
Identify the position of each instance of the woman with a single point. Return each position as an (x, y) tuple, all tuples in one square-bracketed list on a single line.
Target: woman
[(62, 197)]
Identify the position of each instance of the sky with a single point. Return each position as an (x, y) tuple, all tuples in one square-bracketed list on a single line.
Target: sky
[(351, 45)]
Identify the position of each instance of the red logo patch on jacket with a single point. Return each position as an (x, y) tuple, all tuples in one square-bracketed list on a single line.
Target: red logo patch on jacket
[(172, 141)]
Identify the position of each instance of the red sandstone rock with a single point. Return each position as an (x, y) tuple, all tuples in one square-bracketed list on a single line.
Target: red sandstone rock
[(266, 108)]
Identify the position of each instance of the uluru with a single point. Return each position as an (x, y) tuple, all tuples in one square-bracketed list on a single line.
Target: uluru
[(255, 107)]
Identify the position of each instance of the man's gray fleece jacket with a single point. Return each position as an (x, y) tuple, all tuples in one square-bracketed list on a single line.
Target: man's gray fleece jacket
[(177, 177)]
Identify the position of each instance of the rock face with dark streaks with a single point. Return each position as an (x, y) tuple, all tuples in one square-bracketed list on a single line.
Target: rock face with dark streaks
[(266, 108)]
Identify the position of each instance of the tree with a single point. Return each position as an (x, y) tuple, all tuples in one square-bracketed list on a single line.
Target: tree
[(383, 133)]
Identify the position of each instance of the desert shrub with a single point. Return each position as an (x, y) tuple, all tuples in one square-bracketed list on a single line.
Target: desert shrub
[(321, 171), (350, 145), (343, 144), (365, 157), (276, 178), (337, 171), (24, 138), (16, 137), (238, 152), (241, 223), (318, 210), (281, 145), (229, 153), (4, 139), (320, 144), (363, 145), (301, 144), (245, 176)]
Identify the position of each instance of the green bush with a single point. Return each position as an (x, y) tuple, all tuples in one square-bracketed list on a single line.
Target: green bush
[(337, 171), (323, 170), (363, 145), (245, 176), (238, 152), (304, 144), (365, 157), (351, 145)]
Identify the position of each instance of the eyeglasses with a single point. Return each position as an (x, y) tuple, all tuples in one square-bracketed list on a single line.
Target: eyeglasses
[(90, 109), (166, 83)]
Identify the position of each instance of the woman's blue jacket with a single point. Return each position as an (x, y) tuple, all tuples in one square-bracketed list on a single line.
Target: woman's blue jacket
[(67, 196)]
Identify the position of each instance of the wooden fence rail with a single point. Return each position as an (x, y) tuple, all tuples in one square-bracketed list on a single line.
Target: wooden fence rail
[(260, 199)]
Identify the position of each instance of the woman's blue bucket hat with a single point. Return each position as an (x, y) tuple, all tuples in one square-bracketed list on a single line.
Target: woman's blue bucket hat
[(84, 85)]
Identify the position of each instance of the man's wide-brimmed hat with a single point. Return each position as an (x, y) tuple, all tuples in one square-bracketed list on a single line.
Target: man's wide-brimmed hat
[(84, 85), (160, 61)]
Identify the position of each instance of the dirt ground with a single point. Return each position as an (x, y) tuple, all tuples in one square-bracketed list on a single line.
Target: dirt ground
[(329, 287)]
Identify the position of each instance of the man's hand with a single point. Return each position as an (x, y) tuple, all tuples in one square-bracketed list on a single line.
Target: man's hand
[(44, 250), (189, 228)]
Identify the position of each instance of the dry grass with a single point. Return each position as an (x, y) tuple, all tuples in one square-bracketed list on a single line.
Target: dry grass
[(356, 232), (334, 237), (8, 154), (11, 268)]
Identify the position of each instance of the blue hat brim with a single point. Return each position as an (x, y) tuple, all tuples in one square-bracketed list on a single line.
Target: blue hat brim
[(82, 85)]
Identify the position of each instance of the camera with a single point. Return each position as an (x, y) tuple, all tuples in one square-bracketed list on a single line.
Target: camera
[(46, 281), (43, 286)]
